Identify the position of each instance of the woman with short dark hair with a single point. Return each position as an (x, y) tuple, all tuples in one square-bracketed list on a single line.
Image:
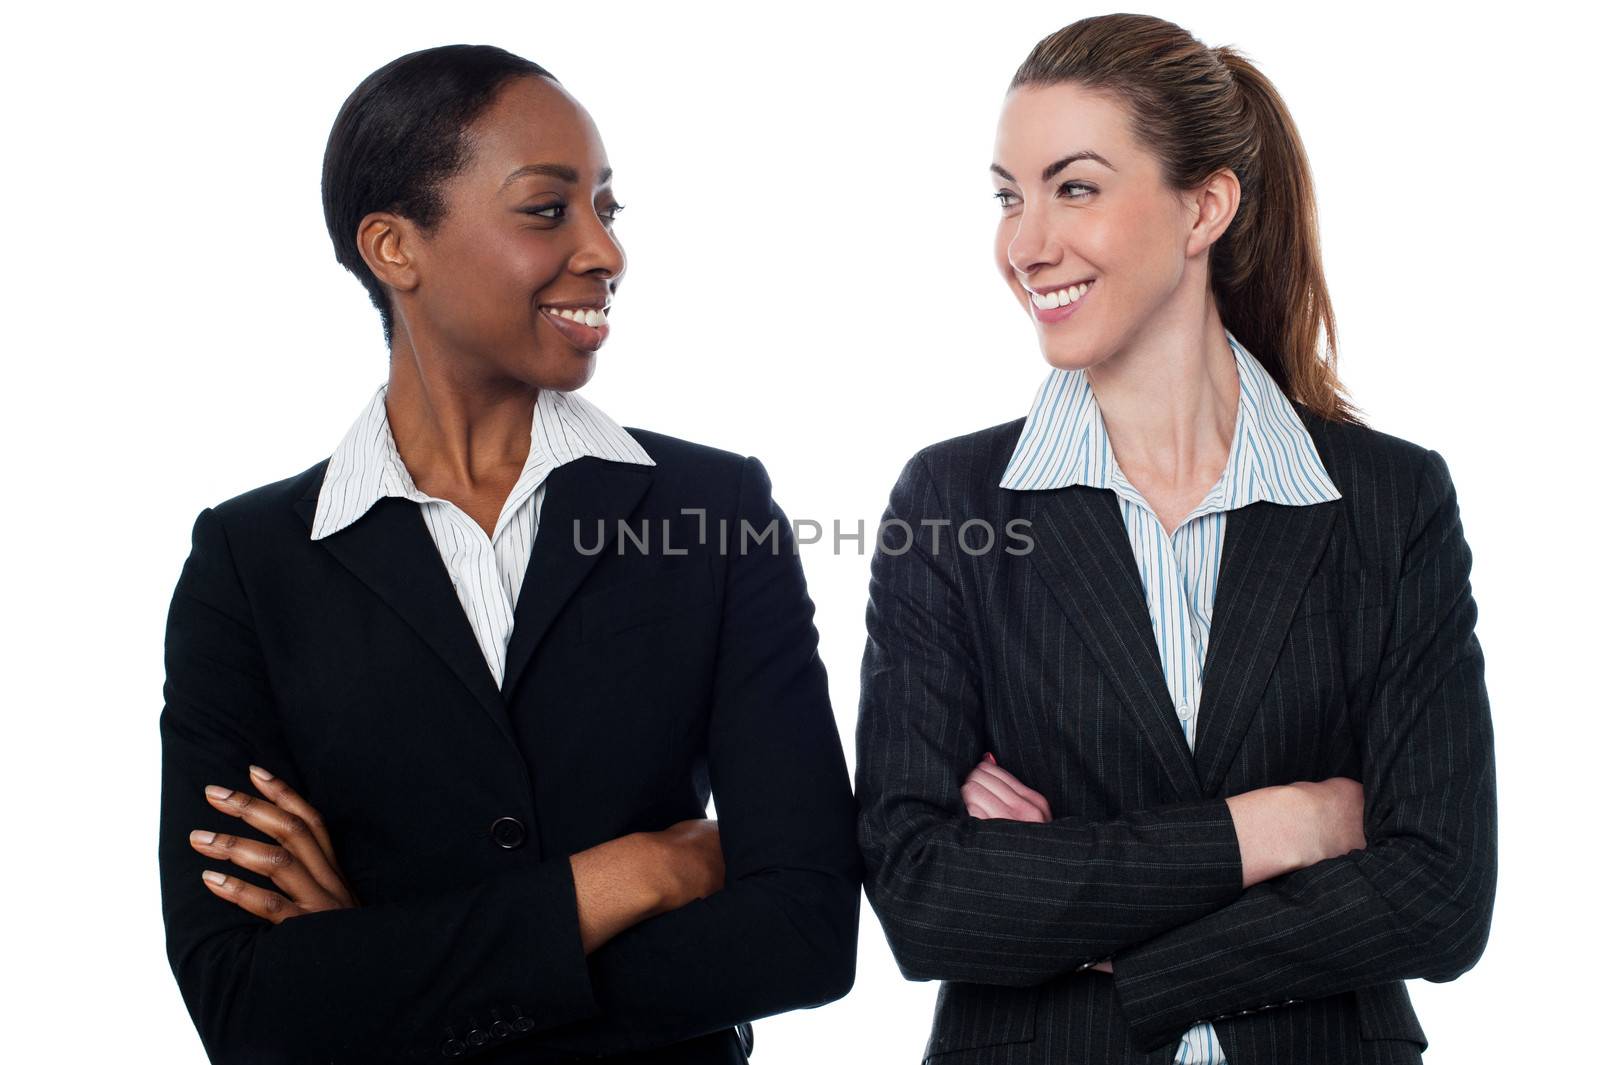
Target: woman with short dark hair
[(487, 663)]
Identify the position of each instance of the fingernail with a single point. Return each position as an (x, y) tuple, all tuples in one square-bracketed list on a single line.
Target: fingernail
[(217, 791), (202, 837), (256, 770), (213, 877)]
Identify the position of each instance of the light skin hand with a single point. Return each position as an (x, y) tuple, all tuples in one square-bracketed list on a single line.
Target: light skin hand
[(991, 792), (302, 864), (1292, 826)]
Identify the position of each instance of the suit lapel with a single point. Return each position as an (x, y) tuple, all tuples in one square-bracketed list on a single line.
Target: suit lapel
[(595, 494), (1083, 556), (388, 548), (390, 551), (1269, 551)]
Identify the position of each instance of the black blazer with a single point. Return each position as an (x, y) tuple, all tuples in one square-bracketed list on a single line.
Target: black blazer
[(1342, 644), (636, 685)]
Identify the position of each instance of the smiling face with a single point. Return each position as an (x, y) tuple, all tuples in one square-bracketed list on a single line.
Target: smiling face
[(500, 287), (1081, 202)]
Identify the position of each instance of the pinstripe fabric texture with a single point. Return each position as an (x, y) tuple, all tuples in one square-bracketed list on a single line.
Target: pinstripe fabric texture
[(1341, 643), (487, 571), (1064, 442)]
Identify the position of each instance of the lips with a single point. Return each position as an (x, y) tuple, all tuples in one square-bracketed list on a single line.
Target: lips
[(583, 337), (1063, 312)]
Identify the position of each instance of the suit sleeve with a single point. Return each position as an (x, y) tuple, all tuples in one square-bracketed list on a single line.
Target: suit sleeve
[(1416, 901), (380, 983), (988, 900), (781, 934)]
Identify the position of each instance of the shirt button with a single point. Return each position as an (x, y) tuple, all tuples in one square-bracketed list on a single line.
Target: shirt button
[(508, 832), (1185, 711)]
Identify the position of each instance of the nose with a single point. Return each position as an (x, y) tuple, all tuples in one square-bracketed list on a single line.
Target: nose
[(1032, 245), (598, 250)]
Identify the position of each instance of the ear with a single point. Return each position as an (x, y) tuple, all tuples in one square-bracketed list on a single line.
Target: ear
[(388, 243), (1213, 203)]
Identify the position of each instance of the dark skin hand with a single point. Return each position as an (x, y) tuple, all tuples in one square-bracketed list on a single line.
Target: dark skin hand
[(619, 882), (302, 864)]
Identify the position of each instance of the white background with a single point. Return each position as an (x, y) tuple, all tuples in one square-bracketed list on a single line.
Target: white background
[(808, 227)]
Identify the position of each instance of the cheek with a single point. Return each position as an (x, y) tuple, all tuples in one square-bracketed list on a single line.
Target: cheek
[(517, 263), (1145, 242)]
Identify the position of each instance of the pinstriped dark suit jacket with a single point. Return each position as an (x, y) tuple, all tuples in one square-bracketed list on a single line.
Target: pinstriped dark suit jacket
[(1342, 645)]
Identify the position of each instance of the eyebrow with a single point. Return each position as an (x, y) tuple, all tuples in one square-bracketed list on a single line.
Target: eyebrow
[(559, 171), (1056, 167)]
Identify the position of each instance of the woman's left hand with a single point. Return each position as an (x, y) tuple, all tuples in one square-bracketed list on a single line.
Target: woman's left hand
[(990, 791), (304, 867)]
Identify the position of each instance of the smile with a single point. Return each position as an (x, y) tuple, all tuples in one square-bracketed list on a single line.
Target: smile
[(591, 316), (586, 327), (1059, 303)]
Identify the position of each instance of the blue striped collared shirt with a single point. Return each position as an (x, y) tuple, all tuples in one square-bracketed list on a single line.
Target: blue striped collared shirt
[(1272, 457), (487, 571)]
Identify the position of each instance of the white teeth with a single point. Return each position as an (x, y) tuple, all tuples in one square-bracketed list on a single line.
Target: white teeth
[(1060, 296), (587, 315)]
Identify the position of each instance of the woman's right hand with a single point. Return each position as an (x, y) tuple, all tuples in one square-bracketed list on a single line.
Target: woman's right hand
[(642, 875), (1336, 826), (690, 861), (990, 791), (1285, 827)]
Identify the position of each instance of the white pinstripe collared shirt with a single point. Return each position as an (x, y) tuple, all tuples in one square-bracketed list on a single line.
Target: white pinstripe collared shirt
[(487, 571), (1272, 457)]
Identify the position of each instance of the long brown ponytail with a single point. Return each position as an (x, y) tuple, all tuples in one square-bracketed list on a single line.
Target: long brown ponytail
[(1199, 110)]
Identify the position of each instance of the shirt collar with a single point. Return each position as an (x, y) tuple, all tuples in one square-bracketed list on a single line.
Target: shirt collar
[(1064, 442), (367, 466)]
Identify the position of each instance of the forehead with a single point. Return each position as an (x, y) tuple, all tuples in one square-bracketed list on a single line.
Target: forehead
[(1041, 123), (533, 120)]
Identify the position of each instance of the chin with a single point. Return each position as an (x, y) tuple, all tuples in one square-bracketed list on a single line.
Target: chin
[(1066, 356), (577, 371)]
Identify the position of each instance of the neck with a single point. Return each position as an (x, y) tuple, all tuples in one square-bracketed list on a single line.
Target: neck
[(1170, 399), (454, 429)]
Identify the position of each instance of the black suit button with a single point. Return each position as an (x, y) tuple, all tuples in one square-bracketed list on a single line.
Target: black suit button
[(508, 832), (522, 1024), (477, 1037), (500, 1030), (453, 1048)]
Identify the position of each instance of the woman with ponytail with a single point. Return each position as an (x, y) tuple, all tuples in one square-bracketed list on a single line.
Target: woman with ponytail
[(1098, 861)]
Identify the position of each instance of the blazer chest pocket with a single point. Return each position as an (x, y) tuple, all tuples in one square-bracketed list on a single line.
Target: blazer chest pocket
[(644, 600), (1338, 591), (969, 1016)]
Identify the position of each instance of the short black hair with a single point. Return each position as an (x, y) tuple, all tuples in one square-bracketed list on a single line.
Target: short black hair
[(399, 136)]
